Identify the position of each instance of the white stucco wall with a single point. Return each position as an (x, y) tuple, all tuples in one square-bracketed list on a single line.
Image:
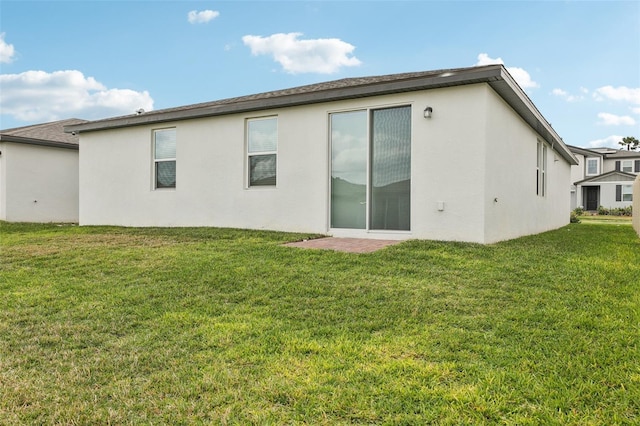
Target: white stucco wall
[(609, 166), (450, 164), (38, 183), (3, 189), (210, 175), (511, 178), (577, 174), (447, 165), (636, 205)]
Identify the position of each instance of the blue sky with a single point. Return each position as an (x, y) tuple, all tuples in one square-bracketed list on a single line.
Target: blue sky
[(579, 61)]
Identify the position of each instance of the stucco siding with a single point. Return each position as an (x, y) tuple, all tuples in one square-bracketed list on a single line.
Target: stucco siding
[(211, 170), (608, 166), (210, 177), (38, 183), (512, 207), (577, 172), (447, 166), (3, 186), (636, 205), (473, 149)]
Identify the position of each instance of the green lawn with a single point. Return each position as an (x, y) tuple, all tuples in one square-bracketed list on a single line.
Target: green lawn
[(106, 325)]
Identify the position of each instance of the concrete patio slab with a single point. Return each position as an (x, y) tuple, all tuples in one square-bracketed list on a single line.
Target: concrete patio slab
[(349, 245)]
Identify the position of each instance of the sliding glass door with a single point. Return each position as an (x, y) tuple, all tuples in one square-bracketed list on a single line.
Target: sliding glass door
[(349, 169), (371, 169)]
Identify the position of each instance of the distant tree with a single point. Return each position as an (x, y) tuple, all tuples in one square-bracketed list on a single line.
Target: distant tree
[(630, 142)]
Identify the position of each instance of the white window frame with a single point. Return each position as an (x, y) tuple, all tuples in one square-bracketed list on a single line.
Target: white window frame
[(627, 190), (369, 112), (161, 160), (626, 164), (249, 154), (587, 161), (541, 169)]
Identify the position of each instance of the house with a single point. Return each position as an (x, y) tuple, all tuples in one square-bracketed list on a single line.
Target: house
[(458, 154), (39, 173), (603, 177)]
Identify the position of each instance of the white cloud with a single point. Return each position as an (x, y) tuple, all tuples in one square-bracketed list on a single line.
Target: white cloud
[(636, 110), (42, 96), (202, 17), (7, 51), (567, 96), (607, 119), (522, 77), (484, 59), (622, 93), (325, 55), (610, 142)]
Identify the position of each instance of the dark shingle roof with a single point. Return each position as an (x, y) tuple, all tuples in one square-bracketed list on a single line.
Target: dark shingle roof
[(584, 151), (346, 88), (51, 134), (606, 153), (351, 88), (623, 153)]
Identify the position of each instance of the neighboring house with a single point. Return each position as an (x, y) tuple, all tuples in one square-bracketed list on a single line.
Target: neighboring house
[(39, 173), (460, 154), (603, 177)]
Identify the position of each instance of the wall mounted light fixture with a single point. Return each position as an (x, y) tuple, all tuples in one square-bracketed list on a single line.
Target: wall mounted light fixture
[(427, 112)]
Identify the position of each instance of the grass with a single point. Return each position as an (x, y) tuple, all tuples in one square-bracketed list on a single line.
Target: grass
[(104, 325)]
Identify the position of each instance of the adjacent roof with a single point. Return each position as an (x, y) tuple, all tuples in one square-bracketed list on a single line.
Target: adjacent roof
[(614, 176), (623, 153), (351, 88), (585, 151), (46, 134), (605, 152)]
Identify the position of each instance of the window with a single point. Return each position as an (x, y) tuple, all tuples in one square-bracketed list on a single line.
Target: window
[(371, 169), (541, 169), (624, 192), (544, 170), (390, 175), (626, 166), (262, 147), (592, 166), (164, 158)]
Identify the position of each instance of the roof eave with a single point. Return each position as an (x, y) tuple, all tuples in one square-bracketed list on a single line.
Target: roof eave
[(446, 79), (495, 75), (613, 172), (622, 155), (584, 151), (39, 142), (511, 92)]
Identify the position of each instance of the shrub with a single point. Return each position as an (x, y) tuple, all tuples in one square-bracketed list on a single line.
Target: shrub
[(573, 218), (618, 211), (578, 211)]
